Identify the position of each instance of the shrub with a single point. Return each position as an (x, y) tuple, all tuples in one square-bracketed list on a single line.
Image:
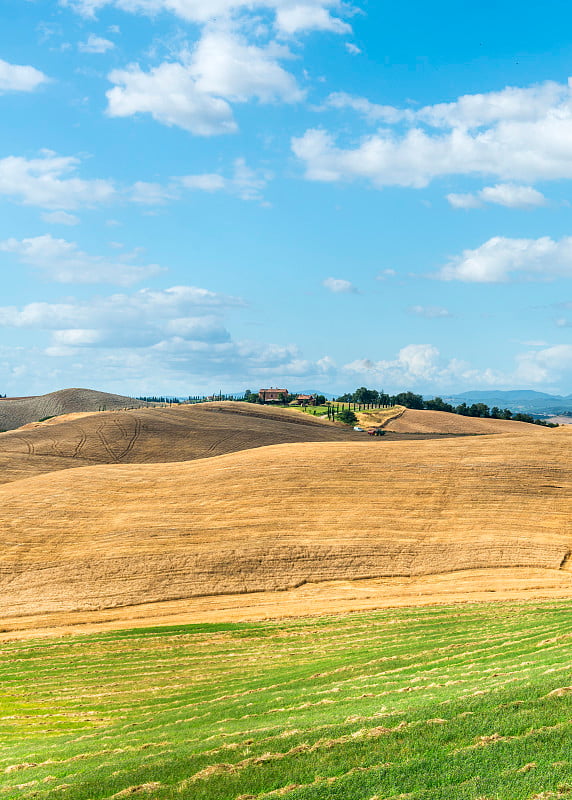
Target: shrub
[(348, 417)]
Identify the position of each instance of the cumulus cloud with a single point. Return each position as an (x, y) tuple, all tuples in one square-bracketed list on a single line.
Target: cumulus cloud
[(95, 44), (18, 78), (509, 195), (63, 262), (225, 64), (170, 94), (339, 286), (49, 182), (422, 367), (178, 336), (414, 363), (195, 94), (292, 16), (499, 259), (517, 134), (546, 366)]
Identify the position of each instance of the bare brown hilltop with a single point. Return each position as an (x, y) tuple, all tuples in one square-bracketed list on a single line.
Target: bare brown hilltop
[(488, 513), (22, 410)]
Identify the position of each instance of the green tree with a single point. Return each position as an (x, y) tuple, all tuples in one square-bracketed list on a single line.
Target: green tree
[(363, 395), (409, 400), (348, 417), (438, 404)]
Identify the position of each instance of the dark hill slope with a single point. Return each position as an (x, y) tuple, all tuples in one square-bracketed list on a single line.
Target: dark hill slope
[(23, 410), (153, 435)]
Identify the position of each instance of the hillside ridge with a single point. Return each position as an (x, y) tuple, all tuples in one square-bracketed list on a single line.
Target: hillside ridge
[(284, 515), (20, 411)]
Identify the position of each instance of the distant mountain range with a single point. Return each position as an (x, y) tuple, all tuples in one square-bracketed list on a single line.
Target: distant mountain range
[(523, 400)]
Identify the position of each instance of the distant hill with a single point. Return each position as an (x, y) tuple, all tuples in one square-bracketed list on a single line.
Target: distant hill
[(524, 400), (23, 410)]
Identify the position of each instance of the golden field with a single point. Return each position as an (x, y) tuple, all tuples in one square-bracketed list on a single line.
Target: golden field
[(280, 529)]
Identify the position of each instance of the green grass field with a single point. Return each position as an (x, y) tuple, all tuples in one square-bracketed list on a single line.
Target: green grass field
[(471, 701)]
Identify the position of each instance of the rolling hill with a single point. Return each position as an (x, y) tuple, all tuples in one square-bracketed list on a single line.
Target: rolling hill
[(149, 435), (22, 410), (442, 422), (274, 518)]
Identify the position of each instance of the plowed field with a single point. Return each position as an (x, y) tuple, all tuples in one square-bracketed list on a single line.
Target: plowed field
[(150, 435)]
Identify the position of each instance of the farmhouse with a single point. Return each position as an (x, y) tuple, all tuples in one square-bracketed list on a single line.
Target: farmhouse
[(273, 395), (306, 399)]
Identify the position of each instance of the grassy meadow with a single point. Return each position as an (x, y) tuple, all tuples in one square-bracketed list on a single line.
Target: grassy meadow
[(463, 702)]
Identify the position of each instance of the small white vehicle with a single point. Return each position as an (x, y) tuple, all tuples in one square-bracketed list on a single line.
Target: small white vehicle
[(357, 428)]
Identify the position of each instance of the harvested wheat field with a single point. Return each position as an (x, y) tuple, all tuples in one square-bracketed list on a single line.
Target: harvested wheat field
[(153, 435), (442, 422), (275, 518), (149, 435)]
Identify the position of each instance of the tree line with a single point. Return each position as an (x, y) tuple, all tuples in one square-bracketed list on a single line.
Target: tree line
[(364, 396)]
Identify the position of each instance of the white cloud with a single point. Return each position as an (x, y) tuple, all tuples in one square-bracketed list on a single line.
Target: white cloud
[(150, 193), (95, 44), (170, 94), (509, 195), (339, 286), (18, 78), (144, 308), (173, 337), (515, 134), (225, 65), (499, 258), (206, 182), (49, 182), (292, 16), (373, 112), (414, 363), (64, 262), (547, 366), (512, 196), (60, 218), (464, 200), (353, 49), (430, 312), (195, 95), (245, 183), (385, 274)]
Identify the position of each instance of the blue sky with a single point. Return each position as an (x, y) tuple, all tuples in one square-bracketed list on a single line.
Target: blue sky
[(213, 194)]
